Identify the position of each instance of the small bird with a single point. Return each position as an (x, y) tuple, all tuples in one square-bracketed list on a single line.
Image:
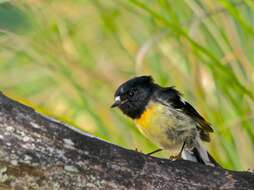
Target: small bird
[(165, 118)]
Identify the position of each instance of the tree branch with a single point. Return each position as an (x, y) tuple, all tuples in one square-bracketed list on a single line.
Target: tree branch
[(37, 152)]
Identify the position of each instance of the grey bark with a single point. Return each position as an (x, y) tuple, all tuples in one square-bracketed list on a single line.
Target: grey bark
[(37, 152)]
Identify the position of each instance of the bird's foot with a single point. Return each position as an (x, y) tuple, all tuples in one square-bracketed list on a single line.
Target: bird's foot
[(175, 157)]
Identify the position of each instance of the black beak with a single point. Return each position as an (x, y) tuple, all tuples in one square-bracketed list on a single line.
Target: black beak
[(117, 102)]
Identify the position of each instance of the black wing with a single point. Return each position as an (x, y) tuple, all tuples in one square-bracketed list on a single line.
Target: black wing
[(170, 96)]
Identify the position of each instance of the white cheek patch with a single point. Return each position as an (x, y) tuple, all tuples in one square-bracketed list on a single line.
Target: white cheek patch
[(117, 99)]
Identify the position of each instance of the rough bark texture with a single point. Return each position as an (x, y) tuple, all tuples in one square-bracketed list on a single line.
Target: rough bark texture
[(37, 152)]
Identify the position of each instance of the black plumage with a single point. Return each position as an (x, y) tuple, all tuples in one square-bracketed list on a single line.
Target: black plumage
[(164, 117), (171, 97)]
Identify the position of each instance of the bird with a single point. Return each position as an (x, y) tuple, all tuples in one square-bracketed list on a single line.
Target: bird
[(165, 118)]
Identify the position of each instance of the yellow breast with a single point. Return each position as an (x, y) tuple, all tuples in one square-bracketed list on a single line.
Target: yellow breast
[(154, 123), (147, 116)]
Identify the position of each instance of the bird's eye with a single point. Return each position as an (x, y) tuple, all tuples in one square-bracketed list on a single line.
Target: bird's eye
[(131, 93)]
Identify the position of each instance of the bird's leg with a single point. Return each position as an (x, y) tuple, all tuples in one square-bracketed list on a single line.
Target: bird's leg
[(153, 152), (180, 153), (178, 156)]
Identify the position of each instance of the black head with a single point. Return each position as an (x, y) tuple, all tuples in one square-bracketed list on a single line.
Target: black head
[(132, 96)]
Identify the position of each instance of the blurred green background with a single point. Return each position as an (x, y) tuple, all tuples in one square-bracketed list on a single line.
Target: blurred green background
[(66, 58)]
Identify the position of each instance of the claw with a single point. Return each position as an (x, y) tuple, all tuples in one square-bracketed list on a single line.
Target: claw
[(174, 158), (178, 156)]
